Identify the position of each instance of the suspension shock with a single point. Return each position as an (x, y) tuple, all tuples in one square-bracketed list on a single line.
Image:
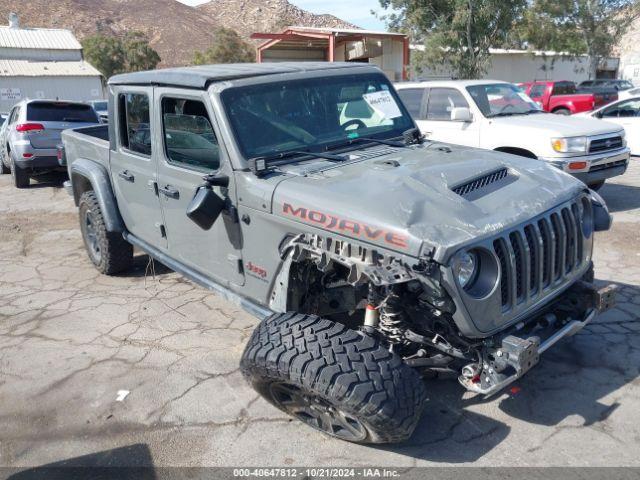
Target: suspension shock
[(392, 323)]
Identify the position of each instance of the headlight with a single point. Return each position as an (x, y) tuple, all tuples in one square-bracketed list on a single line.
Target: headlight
[(569, 145), (464, 268), (623, 135)]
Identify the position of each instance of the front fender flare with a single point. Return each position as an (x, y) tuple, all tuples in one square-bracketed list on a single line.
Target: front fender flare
[(82, 171)]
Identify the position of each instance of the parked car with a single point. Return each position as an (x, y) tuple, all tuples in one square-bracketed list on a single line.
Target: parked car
[(499, 116), (32, 133), (563, 98), (633, 92), (370, 255), (625, 113), (605, 83), (102, 109)]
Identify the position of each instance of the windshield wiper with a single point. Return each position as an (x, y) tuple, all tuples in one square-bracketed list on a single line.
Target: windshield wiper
[(410, 137), (258, 165)]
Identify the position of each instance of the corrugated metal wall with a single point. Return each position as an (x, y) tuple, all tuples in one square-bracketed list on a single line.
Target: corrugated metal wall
[(40, 55), (62, 88)]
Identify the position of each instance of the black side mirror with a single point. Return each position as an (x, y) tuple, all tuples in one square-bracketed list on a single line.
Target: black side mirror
[(205, 207)]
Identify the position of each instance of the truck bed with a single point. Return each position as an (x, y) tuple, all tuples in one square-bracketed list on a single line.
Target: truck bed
[(91, 143)]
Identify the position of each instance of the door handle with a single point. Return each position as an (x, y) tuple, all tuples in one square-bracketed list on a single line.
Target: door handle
[(126, 176), (169, 191)]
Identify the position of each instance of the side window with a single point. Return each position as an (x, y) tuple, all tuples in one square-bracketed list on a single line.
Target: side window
[(188, 135), (135, 127), (14, 115), (412, 99), (442, 101), (630, 108), (537, 91)]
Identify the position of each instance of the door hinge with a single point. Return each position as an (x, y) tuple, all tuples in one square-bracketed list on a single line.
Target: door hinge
[(238, 262), (163, 231), (231, 212)]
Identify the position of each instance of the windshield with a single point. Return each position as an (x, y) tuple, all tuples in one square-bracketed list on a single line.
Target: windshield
[(502, 99), (311, 113), (100, 106)]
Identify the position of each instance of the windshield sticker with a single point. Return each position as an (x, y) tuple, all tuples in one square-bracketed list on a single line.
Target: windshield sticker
[(383, 103)]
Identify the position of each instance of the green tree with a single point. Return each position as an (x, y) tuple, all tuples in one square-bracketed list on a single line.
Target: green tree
[(591, 27), (112, 55), (105, 53), (228, 47), (456, 33), (139, 55)]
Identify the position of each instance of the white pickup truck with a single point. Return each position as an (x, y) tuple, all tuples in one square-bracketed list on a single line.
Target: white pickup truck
[(498, 116)]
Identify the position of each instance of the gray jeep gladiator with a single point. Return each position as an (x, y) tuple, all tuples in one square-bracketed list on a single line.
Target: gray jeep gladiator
[(304, 193)]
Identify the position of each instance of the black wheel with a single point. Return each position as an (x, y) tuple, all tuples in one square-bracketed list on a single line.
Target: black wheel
[(334, 379), (562, 111), (20, 177), (108, 251), (596, 186)]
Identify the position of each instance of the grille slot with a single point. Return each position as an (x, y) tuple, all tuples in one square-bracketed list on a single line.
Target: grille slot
[(466, 189), (540, 255), (604, 166), (605, 144)]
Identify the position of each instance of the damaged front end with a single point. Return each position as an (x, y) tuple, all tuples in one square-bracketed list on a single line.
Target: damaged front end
[(532, 286)]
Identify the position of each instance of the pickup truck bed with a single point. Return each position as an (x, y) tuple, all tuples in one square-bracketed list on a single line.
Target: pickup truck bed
[(94, 144)]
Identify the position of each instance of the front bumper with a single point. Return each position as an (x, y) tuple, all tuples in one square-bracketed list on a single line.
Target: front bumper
[(598, 167), (518, 353)]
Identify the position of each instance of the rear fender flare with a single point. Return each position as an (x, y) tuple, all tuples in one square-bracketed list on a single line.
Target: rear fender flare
[(89, 175)]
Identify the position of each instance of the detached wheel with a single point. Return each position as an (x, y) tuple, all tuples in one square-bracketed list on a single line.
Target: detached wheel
[(20, 177), (334, 379), (109, 252)]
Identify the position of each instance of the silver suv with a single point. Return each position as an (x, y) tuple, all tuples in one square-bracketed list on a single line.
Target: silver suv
[(32, 134)]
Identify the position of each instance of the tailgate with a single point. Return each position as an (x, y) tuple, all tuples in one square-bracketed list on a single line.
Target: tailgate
[(50, 136)]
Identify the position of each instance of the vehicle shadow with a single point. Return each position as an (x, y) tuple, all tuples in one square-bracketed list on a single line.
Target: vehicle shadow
[(145, 266), (572, 379), (133, 462), (620, 198), (49, 180)]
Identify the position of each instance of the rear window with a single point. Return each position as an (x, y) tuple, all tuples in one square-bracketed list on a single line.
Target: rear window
[(61, 112), (564, 88)]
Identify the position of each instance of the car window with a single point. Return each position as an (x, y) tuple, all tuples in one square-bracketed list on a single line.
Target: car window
[(412, 99), (564, 88), (135, 133), (61, 112), (442, 101), (587, 83), (629, 108), (537, 91), (100, 106), (188, 135)]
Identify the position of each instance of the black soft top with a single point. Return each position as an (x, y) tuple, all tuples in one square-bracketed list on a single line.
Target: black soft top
[(201, 76)]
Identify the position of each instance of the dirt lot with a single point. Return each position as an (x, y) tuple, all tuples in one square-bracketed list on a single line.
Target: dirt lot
[(71, 340)]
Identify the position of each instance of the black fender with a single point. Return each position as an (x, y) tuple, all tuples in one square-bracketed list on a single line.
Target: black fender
[(89, 175)]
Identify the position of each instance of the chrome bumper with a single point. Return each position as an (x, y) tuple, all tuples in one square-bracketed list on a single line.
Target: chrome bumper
[(519, 355)]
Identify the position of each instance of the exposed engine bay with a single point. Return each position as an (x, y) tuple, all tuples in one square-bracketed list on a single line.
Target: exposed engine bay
[(407, 307)]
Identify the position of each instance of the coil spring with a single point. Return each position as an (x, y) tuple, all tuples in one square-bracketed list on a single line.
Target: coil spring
[(392, 323)]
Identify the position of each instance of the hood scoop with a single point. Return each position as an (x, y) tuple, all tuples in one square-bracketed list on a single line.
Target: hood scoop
[(478, 187)]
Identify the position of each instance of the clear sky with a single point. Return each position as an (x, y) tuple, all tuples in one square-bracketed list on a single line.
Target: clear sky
[(354, 11)]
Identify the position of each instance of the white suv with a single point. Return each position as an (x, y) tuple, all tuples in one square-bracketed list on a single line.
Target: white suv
[(498, 116)]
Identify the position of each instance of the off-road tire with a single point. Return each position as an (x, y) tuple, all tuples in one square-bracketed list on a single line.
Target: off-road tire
[(351, 372), (115, 253), (20, 176)]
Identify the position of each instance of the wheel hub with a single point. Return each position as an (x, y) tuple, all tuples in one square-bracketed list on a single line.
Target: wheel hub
[(92, 236), (317, 412)]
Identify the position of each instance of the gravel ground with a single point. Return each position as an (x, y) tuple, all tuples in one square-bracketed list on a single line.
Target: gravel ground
[(71, 340)]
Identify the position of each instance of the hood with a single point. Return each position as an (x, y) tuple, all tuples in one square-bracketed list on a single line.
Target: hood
[(558, 125), (404, 201)]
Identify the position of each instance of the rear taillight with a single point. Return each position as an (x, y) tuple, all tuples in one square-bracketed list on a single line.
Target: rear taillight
[(29, 127), (59, 153)]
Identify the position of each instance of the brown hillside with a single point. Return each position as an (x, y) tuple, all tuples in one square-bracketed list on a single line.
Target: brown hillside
[(175, 30), (249, 16)]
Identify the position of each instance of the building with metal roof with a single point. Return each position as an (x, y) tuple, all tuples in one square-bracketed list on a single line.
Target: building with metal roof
[(44, 63), (389, 51)]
